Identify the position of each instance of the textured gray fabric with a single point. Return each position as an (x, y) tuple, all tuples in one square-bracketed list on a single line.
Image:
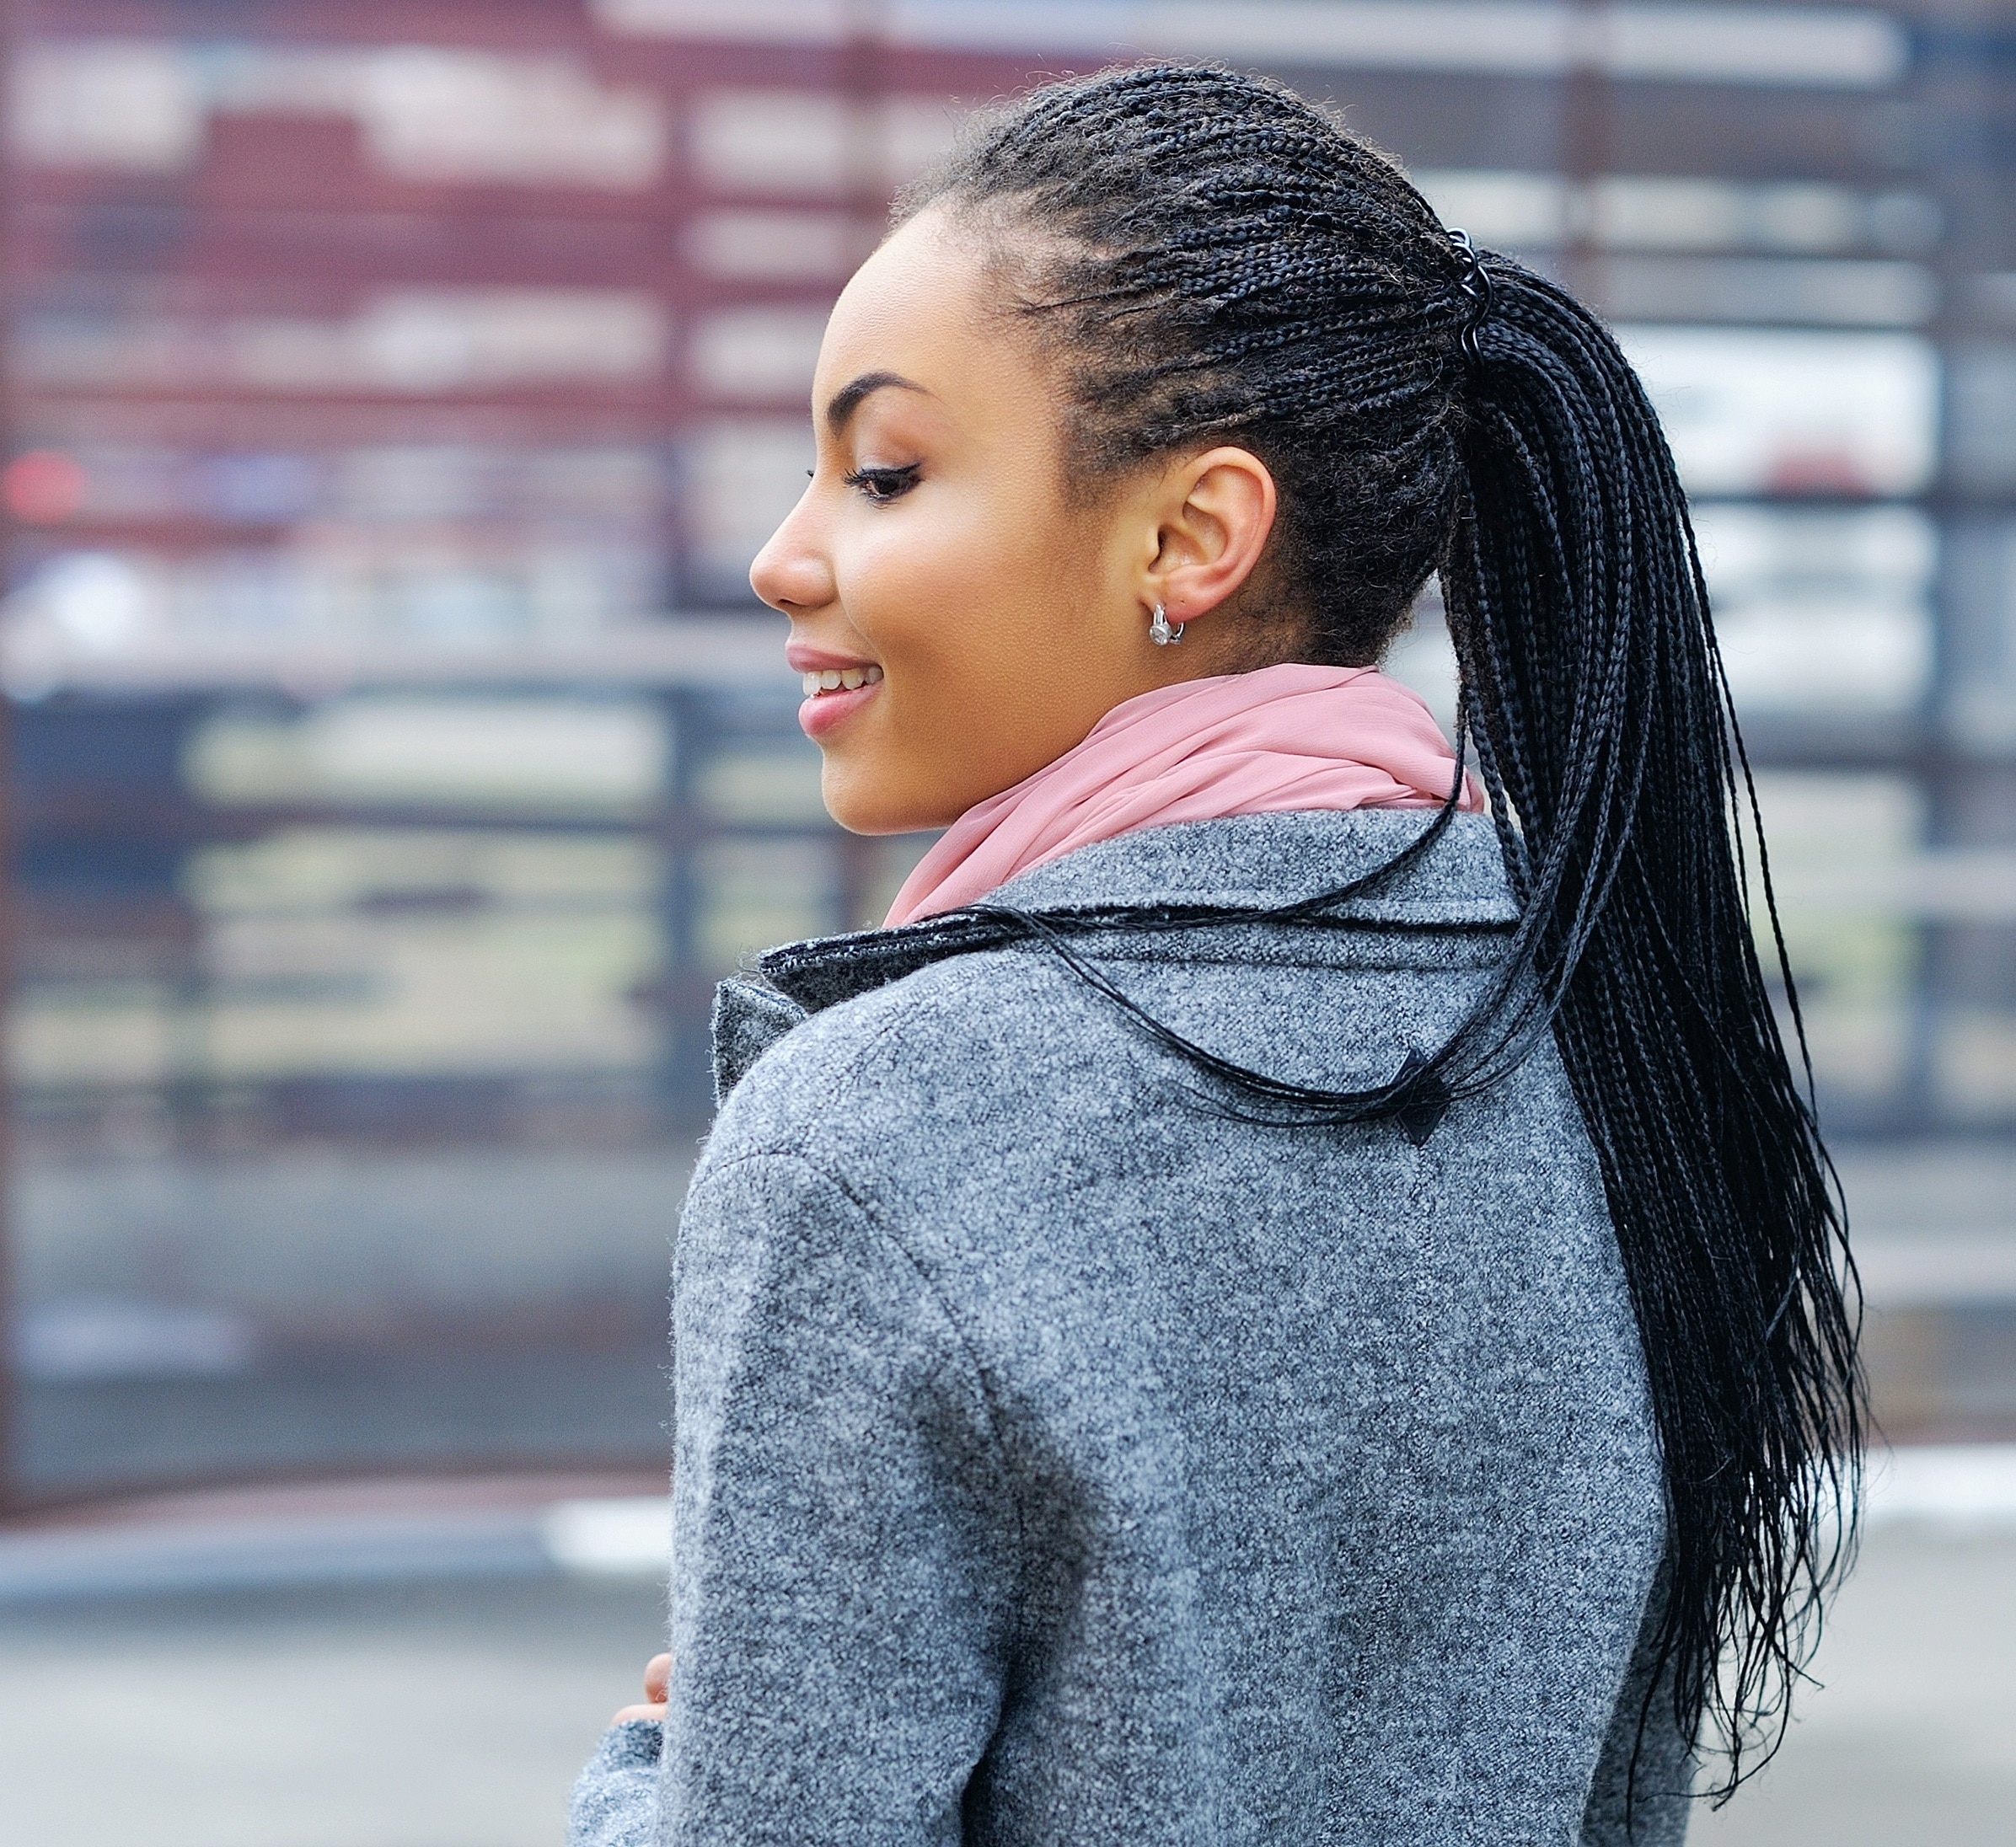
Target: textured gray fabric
[(1057, 1460)]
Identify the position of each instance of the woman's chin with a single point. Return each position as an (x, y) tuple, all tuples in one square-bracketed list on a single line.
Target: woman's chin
[(863, 801)]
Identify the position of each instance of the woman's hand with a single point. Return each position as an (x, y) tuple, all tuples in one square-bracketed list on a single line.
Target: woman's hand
[(656, 1674)]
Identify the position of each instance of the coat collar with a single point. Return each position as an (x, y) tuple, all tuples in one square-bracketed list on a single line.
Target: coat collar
[(1241, 863), (1245, 862)]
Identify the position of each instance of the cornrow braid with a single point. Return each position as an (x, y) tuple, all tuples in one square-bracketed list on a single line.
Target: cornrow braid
[(1212, 259), (1218, 261)]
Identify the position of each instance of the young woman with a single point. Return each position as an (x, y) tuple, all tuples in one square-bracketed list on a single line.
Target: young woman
[(1272, 1304)]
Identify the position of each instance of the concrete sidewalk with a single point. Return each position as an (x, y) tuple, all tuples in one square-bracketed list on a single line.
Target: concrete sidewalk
[(1911, 1738), (335, 1533), (443, 1714)]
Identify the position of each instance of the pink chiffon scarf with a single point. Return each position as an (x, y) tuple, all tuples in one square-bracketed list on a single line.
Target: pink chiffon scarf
[(1282, 737)]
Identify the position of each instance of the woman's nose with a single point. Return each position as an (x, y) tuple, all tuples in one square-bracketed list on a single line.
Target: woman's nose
[(792, 571)]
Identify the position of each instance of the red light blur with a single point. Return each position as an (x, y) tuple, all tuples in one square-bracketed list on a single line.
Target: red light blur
[(42, 487)]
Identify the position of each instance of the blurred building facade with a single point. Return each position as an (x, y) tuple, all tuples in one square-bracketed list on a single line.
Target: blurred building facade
[(395, 394)]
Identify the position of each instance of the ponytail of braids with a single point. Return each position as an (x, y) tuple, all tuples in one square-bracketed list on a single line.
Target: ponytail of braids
[(1211, 259), (1602, 719)]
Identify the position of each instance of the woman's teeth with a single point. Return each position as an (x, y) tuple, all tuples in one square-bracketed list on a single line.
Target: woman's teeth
[(837, 679)]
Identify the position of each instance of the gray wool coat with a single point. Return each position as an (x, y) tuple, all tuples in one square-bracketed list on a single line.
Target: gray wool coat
[(1059, 1461)]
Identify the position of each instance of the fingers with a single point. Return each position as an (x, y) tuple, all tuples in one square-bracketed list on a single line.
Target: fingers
[(657, 1671)]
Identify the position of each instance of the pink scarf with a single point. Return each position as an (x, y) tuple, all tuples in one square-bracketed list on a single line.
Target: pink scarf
[(1287, 736)]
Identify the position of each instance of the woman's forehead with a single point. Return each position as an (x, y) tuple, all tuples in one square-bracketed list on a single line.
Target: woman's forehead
[(913, 309)]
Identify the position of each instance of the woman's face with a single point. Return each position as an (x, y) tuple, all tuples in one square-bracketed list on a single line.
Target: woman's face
[(979, 621)]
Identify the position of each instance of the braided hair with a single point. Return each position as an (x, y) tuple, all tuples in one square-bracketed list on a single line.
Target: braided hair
[(1207, 258)]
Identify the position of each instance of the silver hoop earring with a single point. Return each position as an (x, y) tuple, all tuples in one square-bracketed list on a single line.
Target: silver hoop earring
[(1159, 631)]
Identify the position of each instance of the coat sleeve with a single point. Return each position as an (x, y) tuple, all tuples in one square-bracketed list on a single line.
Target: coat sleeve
[(844, 1540), (615, 1798)]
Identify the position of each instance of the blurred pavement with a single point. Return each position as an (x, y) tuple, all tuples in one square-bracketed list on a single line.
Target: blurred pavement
[(455, 1715), (1910, 1737), (442, 1715)]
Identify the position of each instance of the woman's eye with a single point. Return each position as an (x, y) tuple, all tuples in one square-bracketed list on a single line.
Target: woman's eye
[(883, 484)]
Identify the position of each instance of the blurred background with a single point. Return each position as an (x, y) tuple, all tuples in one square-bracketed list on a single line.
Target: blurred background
[(394, 394)]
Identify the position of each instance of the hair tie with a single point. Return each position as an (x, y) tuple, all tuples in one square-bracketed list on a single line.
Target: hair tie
[(1477, 289)]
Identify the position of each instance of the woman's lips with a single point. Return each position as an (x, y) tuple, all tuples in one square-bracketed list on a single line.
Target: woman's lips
[(835, 694)]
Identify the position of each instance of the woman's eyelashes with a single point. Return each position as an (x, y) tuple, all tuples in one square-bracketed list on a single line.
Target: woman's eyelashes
[(874, 484)]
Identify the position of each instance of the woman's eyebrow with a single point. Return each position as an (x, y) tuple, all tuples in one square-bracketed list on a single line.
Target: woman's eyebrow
[(844, 402)]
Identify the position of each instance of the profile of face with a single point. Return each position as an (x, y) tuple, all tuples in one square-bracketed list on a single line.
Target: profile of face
[(964, 610)]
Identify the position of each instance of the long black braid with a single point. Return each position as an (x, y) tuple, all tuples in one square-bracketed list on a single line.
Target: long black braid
[(1209, 258)]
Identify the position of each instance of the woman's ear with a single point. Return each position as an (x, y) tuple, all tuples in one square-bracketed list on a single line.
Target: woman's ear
[(1217, 512)]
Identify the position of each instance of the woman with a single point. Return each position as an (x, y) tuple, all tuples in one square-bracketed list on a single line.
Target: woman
[(1268, 1306)]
